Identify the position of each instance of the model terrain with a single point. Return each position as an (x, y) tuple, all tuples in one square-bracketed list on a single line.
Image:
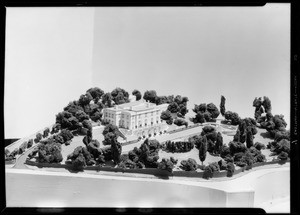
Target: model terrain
[(153, 132)]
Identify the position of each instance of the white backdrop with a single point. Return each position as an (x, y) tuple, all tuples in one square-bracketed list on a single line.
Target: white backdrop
[(55, 54), (47, 64)]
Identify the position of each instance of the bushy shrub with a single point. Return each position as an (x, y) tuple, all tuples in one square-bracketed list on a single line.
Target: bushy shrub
[(50, 152), (195, 140), (127, 164), (236, 147), (282, 135), (58, 138), (46, 132), (246, 160), (224, 151), (188, 165), (167, 116), (238, 156), (66, 135), (205, 113), (81, 157), (230, 169), (228, 158), (232, 117), (222, 164), (106, 152), (55, 129), (260, 158), (180, 122), (179, 146), (254, 151), (173, 160), (93, 148), (210, 169), (38, 138), (166, 164), (281, 146)]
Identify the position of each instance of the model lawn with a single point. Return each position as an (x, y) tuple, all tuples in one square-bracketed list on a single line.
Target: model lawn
[(227, 134)]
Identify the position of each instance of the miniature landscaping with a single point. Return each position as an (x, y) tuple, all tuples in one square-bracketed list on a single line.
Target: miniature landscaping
[(217, 146)]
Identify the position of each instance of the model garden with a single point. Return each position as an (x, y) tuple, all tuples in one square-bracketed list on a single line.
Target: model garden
[(227, 145)]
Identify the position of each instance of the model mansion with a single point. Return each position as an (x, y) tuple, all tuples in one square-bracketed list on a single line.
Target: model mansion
[(138, 117)]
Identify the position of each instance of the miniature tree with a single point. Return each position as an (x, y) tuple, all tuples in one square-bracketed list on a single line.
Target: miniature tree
[(96, 93), (180, 122), (230, 169), (249, 138), (219, 143), (222, 106), (203, 149), (137, 94), (107, 100), (150, 95), (166, 164), (188, 165), (166, 115)]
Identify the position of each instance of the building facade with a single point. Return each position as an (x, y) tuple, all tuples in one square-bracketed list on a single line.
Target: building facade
[(138, 117)]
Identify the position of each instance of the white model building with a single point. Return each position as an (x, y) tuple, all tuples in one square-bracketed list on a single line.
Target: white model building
[(138, 117)]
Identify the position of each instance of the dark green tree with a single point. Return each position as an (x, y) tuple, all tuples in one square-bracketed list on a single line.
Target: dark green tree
[(219, 143), (173, 107), (213, 110), (120, 96), (180, 122), (85, 99), (137, 94), (167, 116), (222, 105), (150, 95), (96, 93), (107, 100), (203, 149), (267, 104)]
